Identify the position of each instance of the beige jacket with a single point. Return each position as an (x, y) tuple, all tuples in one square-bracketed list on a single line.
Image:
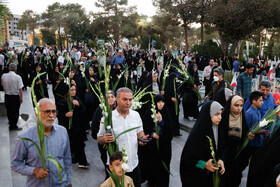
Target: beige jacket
[(128, 182)]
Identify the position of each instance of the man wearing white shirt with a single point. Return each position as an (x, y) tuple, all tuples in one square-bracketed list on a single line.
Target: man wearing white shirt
[(123, 119), (206, 74), (12, 85), (60, 58)]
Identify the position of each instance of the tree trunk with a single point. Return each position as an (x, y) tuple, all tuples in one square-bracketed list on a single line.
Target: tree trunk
[(224, 45), (233, 47), (261, 35), (185, 26), (22, 34), (33, 30), (59, 38), (202, 33)]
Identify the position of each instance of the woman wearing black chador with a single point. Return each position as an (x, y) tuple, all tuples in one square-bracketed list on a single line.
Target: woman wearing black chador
[(156, 173), (196, 168)]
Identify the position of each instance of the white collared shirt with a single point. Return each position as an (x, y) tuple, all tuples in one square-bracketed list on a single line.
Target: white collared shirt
[(11, 83), (130, 138), (207, 72)]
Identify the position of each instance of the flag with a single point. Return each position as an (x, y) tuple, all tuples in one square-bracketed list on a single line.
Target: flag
[(270, 71), (233, 82)]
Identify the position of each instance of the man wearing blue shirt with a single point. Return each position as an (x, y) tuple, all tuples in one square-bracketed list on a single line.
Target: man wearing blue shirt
[(236, 65), (253, 116), (26, 159), (118, 59), (268, 100)]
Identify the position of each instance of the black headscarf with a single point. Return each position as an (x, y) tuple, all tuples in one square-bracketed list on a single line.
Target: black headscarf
[(197, 148), (263, 162), (220, 97), (169, 86), (148, 123), (142, 79)]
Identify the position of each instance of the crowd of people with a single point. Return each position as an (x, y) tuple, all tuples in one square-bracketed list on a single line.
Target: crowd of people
[(72, 75)]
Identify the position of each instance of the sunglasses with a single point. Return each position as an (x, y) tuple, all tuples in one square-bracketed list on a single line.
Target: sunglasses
[(48, 112)]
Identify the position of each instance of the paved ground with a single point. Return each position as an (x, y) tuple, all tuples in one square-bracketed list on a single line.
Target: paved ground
[(91, 177)]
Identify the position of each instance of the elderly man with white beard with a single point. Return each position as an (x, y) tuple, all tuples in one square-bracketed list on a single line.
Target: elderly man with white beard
[(26, 159)]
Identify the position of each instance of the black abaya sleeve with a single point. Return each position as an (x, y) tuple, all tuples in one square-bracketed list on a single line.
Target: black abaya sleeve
[(95, 125)]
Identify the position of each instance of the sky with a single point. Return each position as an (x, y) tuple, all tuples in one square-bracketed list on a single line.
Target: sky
[(39, 6)]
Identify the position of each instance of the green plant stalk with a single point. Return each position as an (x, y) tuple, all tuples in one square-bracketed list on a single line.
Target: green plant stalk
[(157, 132), (155, 119), (269, 115), (41, 135), (111, 147), (40, 125), (117, 82), (70, 100), (164, 76), (175, 96), (51, 64), (62, 74), (42, 90), (216, 180)]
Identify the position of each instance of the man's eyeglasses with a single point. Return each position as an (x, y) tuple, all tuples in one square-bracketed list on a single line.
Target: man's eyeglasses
[(48, 112)]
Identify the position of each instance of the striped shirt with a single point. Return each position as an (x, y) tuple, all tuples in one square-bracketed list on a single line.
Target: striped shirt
[(244, 85)]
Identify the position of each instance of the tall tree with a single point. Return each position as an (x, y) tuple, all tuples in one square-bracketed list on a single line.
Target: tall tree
[(235, 20), (186, 11), (48, 36), (5, 14), (54, 17), (113, 19), (22, 24), (32, 21), (167, 27), (75, 15)]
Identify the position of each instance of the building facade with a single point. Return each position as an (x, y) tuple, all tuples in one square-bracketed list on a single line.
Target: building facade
[(14, 32)]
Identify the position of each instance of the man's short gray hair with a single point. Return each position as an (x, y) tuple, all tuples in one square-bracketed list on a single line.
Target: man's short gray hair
[(220, 71), (123, 89), (12, 67), (265, 83)]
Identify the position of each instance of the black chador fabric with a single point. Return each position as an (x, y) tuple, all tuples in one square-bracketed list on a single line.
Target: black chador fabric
[(142, 79), (220, 97), (41, 89), (90, 99), (153, 168), (168, 94), (232, 145), (190, 98), (147, 98), (263, 163), (22, 69), (197, 148), (77, 132)]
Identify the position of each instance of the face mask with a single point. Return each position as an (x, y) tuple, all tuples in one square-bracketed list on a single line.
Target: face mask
[(216, 78)]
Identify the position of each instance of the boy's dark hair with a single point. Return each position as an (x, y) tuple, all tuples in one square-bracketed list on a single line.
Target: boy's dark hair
[(116, 156), (255, 96)]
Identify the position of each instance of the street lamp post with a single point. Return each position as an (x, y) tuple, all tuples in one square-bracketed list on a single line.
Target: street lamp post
[(149, 45), (149, 42)]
